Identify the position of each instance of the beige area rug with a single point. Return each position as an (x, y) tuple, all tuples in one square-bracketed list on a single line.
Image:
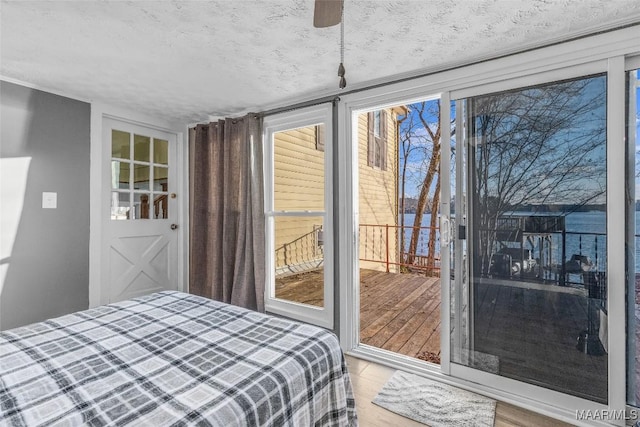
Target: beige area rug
[(433, 403)]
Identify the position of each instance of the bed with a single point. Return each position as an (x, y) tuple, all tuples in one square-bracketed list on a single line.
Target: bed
[(173, 359)]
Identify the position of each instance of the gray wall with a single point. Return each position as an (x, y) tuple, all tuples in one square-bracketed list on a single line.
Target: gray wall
[(48, 268)]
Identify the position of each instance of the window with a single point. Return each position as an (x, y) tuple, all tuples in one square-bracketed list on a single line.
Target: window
[(298, 215), (376, 124), (320, 137), (377, 139)]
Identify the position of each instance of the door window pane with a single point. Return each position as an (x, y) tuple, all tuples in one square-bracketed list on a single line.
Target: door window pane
[(120, 175), (160, 151), (161, 206), (141, 148), (537, 240), (299, 171), (120, 205), (147, 174), (140, 177), (142, 205), (120, 144), (160, 178)]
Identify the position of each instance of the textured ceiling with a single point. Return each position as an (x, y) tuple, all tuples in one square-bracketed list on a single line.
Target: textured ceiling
[(188, 60)]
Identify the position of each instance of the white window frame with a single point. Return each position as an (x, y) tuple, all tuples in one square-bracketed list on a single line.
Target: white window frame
[(311, 116), (604, 52)]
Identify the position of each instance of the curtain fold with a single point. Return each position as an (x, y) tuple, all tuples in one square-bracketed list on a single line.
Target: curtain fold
[(227, 258)]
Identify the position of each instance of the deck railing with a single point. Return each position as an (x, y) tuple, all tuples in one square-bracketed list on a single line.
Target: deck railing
[(381, 243), (301, 254), (566, 258), (592, 245)]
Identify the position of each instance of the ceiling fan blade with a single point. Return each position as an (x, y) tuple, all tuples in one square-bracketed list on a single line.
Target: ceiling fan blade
[(327, 13)]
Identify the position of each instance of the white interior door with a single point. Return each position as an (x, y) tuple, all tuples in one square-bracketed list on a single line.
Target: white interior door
[(141, 228)]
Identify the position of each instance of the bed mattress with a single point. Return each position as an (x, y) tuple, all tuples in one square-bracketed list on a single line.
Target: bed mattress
[(171, 359)]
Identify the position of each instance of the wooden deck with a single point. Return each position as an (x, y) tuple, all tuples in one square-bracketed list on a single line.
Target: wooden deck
[(531, 330), (305, 288), (534, 333), (398, 312)]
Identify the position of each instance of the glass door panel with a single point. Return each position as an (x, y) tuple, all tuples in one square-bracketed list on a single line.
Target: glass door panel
[(534, 308)]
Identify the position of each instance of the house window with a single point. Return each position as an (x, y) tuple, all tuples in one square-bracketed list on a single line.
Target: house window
[(377, 139), (376, 124), (320, 137)]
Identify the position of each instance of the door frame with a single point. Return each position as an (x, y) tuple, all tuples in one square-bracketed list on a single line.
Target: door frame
[(99, 207), (603, 52), (632, 64)]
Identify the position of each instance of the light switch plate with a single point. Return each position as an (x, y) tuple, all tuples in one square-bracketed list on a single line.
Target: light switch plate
[(49, 200)]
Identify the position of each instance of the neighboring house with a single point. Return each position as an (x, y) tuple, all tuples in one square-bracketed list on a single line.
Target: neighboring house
[(299, 184), (378, 188)]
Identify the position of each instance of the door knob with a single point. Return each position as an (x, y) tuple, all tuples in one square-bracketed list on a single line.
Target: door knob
[(174, 226)]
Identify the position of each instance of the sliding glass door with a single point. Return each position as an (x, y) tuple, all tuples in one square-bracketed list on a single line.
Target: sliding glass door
[(532, 236), (537, 221)]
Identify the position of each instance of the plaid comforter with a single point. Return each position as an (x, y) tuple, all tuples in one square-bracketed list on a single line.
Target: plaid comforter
[(173, 359)]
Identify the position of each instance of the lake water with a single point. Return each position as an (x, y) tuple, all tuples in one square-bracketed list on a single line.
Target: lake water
[(584, 237)]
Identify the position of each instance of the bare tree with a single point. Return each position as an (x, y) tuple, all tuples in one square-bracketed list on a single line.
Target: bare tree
[(407, 148), (538, 146), (426, 137)]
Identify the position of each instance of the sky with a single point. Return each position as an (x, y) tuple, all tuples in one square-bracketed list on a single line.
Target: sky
[(417, 158)]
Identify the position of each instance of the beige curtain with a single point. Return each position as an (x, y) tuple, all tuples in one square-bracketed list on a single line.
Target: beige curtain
[(227, 215)]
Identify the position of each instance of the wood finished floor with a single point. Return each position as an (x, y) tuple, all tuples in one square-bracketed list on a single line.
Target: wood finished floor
[(368, 378)]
